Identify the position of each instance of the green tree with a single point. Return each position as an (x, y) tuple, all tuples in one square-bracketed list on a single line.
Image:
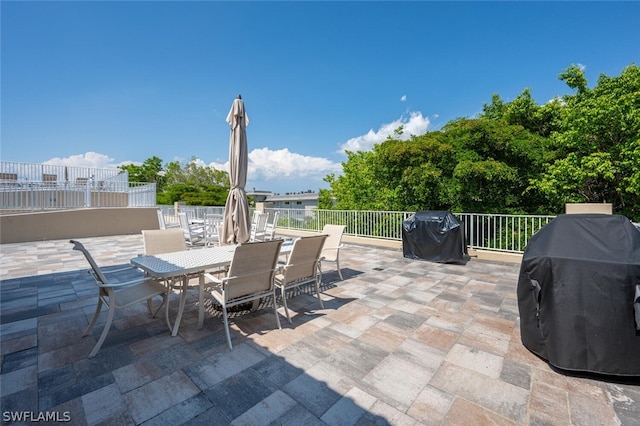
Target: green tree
[(194, 195), (149, 171), (516, 157), (574, 77), (194, 174), (191, 182), (472, 165), (524, 111), (414, 173), (596, 148), (325, 196), (194, 184), (356, 188), (494, 162)]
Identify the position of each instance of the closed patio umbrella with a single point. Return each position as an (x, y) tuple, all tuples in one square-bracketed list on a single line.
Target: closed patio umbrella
[(236, 225)]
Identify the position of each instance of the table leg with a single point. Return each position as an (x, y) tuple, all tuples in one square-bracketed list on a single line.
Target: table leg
[(183, 300), (200, 301)]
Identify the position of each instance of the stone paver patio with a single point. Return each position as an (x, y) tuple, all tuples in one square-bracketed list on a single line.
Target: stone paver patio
[(399, 342)]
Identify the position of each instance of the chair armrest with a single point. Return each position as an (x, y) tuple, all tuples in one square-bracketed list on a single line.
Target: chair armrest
[(127, 283), (213, 278), (112, 271)]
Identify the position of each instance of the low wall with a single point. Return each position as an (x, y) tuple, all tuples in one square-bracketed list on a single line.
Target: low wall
[(76, 223)]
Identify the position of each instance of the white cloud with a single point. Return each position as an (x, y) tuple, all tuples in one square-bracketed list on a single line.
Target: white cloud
[(269, 165), (88, 159), (198, 162), (268, 169), (558, 100), (264, 165), (403, 98), (415, 124)]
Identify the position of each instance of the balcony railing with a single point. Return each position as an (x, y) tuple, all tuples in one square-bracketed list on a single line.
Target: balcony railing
[(21, 172), (29, 187), (32, 196), (498, 232)]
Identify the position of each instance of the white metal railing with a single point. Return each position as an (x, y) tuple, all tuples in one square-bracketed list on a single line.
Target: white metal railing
[(501, 232), (498, 232), (507, 233), (15, 173), (31, 196), (193, 212), (29, 187)]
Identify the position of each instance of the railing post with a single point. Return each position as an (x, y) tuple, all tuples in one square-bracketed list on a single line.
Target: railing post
[(472, 220)]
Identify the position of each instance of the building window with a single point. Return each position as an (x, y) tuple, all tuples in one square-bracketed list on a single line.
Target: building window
[(298, 202)]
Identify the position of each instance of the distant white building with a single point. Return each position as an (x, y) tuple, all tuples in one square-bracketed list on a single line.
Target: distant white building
[(299, 200)]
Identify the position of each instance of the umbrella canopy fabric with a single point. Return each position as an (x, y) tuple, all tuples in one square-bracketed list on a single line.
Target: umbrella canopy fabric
[(236, 225)]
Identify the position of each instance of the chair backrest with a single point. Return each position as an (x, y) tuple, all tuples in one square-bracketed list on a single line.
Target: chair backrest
[(157, 241), (262, 221), (259, 227), (252, 268), (161, 222), (183, 219), (274, 219), (190, 213), (255, 216), (212, 227), (304, 258), (271, 226), (95, 270), (334, 239)]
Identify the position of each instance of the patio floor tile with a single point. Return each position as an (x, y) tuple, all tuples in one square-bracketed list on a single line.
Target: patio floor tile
[(399, 342)]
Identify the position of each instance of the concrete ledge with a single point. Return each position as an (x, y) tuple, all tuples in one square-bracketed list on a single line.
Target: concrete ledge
[(583, 208), (78, 223), (496, 256)]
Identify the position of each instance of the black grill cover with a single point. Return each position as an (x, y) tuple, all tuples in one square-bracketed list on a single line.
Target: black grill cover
[(577, 294), (436, 236)]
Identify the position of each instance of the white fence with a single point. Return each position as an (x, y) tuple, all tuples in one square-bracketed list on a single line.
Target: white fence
[(35, 196), (499, 232), (26, 187), (14, 173)]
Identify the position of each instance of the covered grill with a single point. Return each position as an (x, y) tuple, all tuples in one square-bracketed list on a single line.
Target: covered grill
[(436, 236), (578, 294)]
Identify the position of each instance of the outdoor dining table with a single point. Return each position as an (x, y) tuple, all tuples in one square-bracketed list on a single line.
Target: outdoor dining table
[(182, 264)]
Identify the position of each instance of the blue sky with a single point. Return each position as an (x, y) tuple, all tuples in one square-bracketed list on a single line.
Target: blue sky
[(106, 83)]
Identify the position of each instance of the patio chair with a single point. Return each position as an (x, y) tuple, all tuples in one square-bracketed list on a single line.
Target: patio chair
[(302, 267), (270, 230), (331, 250), (158, 241), (118, 294), (162, 224), (250, 277), (193, 235), (258, 227), (212, 226)]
